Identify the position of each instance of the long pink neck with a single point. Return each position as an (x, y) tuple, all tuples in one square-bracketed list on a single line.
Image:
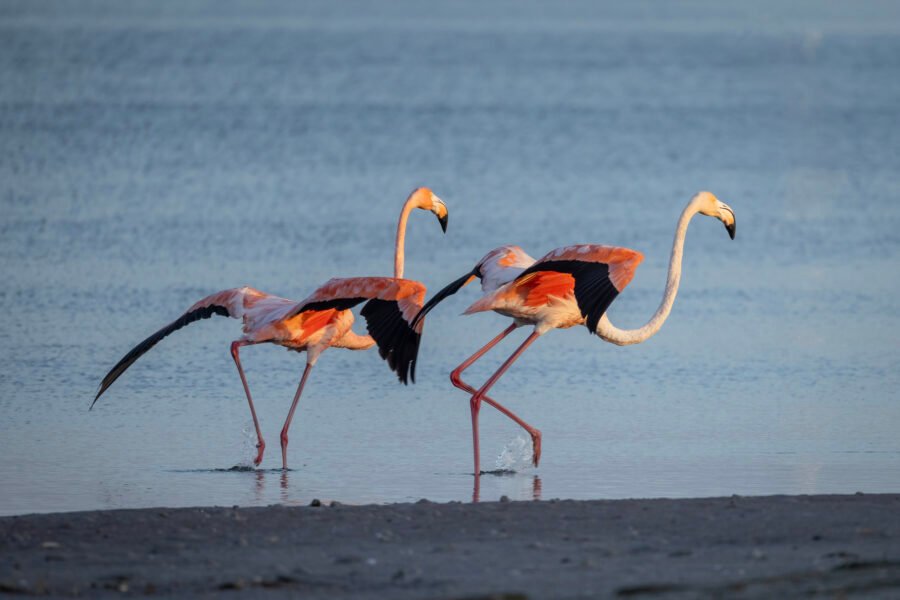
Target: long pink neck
[(401, 236), (626, 337)]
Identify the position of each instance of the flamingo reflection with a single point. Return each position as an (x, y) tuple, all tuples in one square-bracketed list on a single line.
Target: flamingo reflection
[(536, 488)]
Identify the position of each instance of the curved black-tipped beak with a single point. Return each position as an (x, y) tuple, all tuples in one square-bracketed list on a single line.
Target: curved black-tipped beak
[(443, 220), (731, 229)]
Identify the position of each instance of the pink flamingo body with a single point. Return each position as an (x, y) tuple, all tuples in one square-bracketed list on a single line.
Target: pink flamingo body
[(321, 321), (569, 286)]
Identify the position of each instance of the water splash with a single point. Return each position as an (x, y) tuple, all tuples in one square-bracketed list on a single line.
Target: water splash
[(248, 447), (515, 456)]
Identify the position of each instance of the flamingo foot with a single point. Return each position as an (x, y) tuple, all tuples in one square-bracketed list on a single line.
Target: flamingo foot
[(536, 447), (259, 455)]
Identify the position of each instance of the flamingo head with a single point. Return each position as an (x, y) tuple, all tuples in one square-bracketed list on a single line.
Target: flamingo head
[(425, 199), (707, 204)]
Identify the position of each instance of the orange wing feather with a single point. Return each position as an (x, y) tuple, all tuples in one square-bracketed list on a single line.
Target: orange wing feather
[(409, 295), (313, 321), (623, 262), (536, 289)]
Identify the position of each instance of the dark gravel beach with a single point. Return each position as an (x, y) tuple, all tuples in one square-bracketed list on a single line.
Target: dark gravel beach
[(777, 546)]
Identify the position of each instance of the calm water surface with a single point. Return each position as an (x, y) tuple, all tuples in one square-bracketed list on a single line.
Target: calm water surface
[(155, 153)]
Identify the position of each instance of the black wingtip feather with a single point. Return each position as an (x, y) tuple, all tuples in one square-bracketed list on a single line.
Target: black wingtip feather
[(142, 348), (398, 342), (337, 304)]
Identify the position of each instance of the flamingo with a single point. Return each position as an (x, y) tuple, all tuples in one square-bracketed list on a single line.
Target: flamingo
[(569, 286), (321, 321)]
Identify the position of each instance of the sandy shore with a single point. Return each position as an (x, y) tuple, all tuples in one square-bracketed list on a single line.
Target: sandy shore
[(838, 546)]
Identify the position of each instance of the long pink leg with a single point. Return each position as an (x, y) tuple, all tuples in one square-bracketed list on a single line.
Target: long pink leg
[(287, 422), (456, 379), (260, 444), (475, 402)]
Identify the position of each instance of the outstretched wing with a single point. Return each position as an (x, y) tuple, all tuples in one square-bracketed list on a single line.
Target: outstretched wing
[(228, 303), (594, 274), (391, 306), (496, 268)]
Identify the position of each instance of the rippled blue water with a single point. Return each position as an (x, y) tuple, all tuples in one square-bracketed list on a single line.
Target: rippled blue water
[(154, 153)]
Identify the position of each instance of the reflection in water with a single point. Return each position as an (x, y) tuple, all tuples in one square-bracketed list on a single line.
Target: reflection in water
[(284, 486), (476, 484), (260, 486), (283, 493), (259, 479)]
